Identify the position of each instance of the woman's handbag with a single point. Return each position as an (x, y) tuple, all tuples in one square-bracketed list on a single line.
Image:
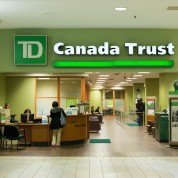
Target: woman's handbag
[(63, 119)]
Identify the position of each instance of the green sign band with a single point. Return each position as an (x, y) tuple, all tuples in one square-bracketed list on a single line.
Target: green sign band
[(113, 63), (174, 104)]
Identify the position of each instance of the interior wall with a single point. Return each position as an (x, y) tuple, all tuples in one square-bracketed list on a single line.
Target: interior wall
[(20, 94), (166, 83), (2, 90), (96, 98), (152, 89), (129, 98)]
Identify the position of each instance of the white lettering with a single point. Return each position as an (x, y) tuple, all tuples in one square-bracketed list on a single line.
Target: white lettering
[(114, 50), (56, 48), (170, 48), (161, 50), (103, 49), (92, 50), (131, 47), (69, 50), (27, 49), (80, 50), (151, 50)]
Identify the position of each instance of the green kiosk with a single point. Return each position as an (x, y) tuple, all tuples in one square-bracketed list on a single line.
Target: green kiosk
[(161, 126)]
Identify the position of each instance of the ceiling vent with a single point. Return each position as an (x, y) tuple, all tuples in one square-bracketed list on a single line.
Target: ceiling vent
[(172, 8)]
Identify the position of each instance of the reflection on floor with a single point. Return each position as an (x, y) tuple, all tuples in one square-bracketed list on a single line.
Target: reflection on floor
[(131, 153)]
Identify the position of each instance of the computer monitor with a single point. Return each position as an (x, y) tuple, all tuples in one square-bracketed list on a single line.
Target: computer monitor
[(72, 106), (24, 118)]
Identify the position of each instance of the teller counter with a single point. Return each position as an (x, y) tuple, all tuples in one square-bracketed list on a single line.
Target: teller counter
[(38, 134)]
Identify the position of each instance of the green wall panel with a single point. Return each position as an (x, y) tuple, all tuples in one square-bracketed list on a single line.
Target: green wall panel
[(152, 89), (20, 94), (88, 37), (166, 82), (2, 90), (129, 98), (95, 99)]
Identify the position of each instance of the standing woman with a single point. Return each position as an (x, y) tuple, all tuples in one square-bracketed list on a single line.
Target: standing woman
[(55, 124)]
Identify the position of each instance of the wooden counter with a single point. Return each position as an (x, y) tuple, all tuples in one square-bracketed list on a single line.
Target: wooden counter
[(77, 128)]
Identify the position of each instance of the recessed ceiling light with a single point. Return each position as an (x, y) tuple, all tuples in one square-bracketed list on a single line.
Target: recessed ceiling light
[(138, 75), (123, 82), (143, 72), (117, 88), (132, 78), (102, 78), (43, 78), (104, 75), (120, 8)]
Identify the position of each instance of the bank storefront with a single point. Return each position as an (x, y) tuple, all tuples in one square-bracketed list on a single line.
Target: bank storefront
[(29, 54)]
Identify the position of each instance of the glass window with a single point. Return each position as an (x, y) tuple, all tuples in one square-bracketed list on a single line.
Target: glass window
[(108, 94), (119, 94)]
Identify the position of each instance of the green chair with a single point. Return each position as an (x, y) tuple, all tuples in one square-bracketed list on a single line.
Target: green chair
[(11, 132)]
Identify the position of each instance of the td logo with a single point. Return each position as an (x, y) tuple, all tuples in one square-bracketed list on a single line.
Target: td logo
[(30, 50)]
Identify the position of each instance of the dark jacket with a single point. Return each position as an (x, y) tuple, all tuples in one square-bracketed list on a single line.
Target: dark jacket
[(55, 115)]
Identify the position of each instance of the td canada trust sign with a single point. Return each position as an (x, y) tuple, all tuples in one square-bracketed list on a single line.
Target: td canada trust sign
[(31, 50)]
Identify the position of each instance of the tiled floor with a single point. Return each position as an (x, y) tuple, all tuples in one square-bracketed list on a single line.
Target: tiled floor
[(131, 153)]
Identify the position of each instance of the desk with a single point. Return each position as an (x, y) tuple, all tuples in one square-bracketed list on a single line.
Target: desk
[(77, 128)]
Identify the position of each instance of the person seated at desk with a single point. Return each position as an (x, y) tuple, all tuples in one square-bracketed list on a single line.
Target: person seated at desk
[(27, 111), (93, 110), (97, 112)]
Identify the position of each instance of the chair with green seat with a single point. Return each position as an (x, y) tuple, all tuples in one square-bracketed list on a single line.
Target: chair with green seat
[(11, 132)]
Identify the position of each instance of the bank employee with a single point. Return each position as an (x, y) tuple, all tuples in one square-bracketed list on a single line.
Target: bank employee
[(55, 125)]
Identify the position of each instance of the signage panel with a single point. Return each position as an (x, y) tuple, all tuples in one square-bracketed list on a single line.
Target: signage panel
[(30, 50)]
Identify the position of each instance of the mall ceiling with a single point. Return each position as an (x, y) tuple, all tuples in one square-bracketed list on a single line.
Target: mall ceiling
[(88, 14)]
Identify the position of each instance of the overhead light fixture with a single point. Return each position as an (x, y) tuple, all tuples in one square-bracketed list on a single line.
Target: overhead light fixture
[(138, 75), (43, 78), (123, 82), (143, 72), (132, 78), (104, 75), (117, 88), (120, 8), (102, 78), (128, 80)]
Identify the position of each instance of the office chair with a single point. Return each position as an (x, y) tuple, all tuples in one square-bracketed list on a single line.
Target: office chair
[(11, 132)]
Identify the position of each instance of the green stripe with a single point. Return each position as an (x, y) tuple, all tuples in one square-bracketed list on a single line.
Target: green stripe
[(174, 104), (113, 63), (173, 92)]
